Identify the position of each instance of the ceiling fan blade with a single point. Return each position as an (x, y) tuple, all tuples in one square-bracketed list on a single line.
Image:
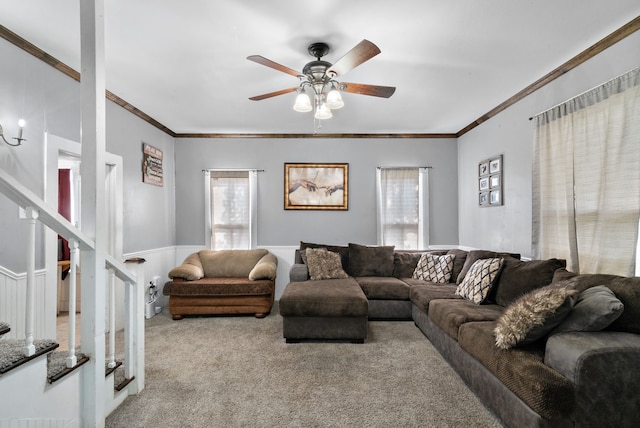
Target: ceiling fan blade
[(274, 94), (373, 90), (264, 61), (363, 51)]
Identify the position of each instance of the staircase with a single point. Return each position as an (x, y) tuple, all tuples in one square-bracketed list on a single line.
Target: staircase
[(42, 385)]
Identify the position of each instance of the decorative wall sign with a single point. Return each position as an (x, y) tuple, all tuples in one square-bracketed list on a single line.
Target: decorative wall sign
[(151, 165), (490, 173), (310, 186)]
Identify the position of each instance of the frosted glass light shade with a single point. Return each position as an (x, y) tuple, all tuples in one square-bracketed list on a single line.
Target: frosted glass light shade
[(303, 103), (334, 99), (323, 112)]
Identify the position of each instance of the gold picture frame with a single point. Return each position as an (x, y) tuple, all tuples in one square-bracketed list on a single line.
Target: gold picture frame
[(316, 186)]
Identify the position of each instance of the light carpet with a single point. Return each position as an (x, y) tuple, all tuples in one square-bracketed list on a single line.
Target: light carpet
[(239, 372)]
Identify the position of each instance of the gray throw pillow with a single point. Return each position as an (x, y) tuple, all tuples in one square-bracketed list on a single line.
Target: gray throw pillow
[(594, 310), (519, 277)]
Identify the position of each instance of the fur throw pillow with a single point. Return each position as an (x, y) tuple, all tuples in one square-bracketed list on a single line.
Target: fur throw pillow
[(533, 316), (324, 264)]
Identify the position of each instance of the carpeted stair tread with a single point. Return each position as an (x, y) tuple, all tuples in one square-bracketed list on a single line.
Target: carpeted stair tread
[(12, 356), (4, 328), (57, 364)]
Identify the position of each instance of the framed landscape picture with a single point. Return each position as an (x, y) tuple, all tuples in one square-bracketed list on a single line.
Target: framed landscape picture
[(316, 186)]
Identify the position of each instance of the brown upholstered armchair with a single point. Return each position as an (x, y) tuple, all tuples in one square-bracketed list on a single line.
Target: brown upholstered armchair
[(223, 282)]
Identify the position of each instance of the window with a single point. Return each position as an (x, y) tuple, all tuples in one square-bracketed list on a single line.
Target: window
[(586, 181), (402, 196), (230, 202)]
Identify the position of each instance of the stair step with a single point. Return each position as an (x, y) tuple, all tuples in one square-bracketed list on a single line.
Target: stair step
[(4, 328), (57, 364), (11, 354)]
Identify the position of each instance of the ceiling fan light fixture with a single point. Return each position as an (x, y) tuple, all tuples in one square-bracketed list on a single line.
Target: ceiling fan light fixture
[(334, 99), (323, 112), (303, 103)]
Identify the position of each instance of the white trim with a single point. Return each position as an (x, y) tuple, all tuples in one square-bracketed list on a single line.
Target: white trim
[(17, 276)]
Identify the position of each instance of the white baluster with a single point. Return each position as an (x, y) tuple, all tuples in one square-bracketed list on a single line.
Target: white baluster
[(112, 319), (72, 359), (29, 348)]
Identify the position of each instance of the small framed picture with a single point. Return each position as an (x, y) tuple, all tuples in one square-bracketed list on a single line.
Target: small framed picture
[(495, 197), (484, 199), (483, 169), (495, 165), (494, 181), (484, 183)]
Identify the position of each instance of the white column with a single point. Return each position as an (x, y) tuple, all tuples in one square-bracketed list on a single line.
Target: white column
[(112, 319), (72, 360), (92, 170), (29, 348), (134, 326)]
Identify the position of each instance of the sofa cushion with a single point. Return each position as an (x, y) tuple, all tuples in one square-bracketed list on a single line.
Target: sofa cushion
[(343, 250), (520, 277), (370, 261), (325, 298), (383, 288), (190, 269), (595, 308), (449, 315), (324, 264), (522, 370), (533, 316), (434, 268), (475, 255), (458, 262), (218, 287), (421, 292), (266, 268), (230, 263), (477, 283), (404, 263), (626, 289)]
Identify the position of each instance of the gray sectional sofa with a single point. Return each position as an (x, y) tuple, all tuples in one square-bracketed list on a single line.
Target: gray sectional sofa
[(557, 378)]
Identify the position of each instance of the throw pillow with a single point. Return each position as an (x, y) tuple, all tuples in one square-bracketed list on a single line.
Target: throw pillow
[(478, 281), (475, 255), (594, 310), (434, 268), (370, 261), (324, 264), (343, 250), (533, 316), (519, 277)]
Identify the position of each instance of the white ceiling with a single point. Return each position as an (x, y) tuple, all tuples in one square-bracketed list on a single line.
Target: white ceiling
[(184, 62)]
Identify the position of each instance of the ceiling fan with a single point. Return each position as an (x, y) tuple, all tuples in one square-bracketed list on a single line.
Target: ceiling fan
[(319, 78)]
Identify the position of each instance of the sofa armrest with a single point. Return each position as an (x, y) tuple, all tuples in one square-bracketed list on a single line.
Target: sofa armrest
[(190, 269), (265, 268), (298, 272), (604, 367)]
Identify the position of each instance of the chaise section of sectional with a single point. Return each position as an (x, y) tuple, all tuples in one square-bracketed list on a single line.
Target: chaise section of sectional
[(334, 309)]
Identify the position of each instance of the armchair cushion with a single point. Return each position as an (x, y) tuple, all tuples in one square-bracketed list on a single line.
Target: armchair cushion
[(265, 268), (190, 269), (230, 263)]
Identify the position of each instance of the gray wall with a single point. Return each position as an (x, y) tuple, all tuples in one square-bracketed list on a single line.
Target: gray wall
[(511, 133), (49, 102), (279, 227)]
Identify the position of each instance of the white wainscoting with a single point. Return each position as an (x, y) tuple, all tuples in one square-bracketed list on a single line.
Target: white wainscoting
[(13, 288), (158, 262)]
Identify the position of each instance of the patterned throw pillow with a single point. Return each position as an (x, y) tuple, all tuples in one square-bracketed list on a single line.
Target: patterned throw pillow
[(433, 268), (324, 264), (477, 283)]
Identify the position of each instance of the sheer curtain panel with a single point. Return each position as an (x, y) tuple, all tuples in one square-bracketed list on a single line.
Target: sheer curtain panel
[(403, 207), (586, 179), (230, 203)]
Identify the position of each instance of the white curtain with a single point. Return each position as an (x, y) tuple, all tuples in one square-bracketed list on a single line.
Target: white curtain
[(403, 207), (586, 179), (231, 208)]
